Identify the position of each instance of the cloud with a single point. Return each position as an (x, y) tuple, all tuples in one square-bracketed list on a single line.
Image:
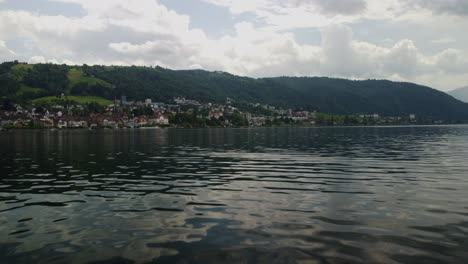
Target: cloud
[(5, 53), (338, 54), (443, 41), (452, 61), (122, 32), (42, 59), (331, 7), (289, 14), (335, 7), (257, 52), (452, 7), (37, 59), (88, 39)]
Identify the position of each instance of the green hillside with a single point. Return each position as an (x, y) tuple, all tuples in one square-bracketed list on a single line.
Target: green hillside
[(77, 76), (77, 99), (25, 83)]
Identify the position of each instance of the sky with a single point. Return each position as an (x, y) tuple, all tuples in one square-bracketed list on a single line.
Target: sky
[(421, 41)]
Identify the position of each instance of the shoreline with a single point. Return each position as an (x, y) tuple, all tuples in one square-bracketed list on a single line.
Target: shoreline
[(233, 127)]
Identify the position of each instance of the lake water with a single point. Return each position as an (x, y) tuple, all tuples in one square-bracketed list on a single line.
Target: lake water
[(262, 195)]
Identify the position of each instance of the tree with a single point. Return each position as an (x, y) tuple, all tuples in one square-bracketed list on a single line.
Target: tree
[(239, 120), (8, 85), (40, 109), (7, 104), (147, 110)]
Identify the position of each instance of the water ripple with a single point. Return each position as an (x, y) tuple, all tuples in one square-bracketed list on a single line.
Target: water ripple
[(280, 195)]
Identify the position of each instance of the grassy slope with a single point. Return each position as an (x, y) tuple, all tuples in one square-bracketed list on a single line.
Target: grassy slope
[(26, 89), (23, 67), (78, 99), (76, 76)]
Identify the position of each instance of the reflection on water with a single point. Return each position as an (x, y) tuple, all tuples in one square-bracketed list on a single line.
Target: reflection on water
[(274, 195)]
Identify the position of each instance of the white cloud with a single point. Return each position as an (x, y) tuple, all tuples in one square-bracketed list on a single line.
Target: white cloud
[(443, 41), (37, 59), (88, 38), (313, 13), (148, 33), (5, 53), (42, 59)]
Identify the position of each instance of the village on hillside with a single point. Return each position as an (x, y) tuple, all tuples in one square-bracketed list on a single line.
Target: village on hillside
[(182, 112)]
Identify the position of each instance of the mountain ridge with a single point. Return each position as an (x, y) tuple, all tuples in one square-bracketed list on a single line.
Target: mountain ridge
[(460, 94), (24, 82)]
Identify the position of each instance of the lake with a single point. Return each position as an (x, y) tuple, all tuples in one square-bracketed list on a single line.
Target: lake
[(260, 195)]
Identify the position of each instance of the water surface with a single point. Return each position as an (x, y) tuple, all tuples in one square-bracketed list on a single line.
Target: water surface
[(263, 195)]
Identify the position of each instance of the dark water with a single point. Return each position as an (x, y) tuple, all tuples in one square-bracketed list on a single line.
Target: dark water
[(275, 195)]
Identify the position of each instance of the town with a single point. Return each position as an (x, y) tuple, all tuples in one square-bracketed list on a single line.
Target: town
[(62, 113)]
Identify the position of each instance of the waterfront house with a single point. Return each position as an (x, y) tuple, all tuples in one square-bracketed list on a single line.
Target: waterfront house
[(257, 121), (129, 123), (62, 122), (110, 123), (46, 122), (142, 121), (20, 123), (159, 119), (77, 123)]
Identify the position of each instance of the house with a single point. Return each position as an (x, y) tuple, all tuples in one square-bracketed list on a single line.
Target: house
[(19, 123), (76, 123), (300, 116), (373, 116), (6, 121), (142, 121), (62, 123), (215, 114), (46, 122), (130, 124), (83, 123), (110, 123), (257, 121), (159, 119)]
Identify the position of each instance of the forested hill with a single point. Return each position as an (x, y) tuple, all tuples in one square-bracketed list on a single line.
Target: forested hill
[(24, 82)]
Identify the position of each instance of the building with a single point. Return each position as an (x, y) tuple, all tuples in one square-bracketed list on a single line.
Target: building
[(159, 119), (142, 121), (62, 123), (215, 114)]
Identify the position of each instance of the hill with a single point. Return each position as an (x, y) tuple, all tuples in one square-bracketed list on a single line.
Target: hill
[(24, 83), (78, 99), (460, 94)]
